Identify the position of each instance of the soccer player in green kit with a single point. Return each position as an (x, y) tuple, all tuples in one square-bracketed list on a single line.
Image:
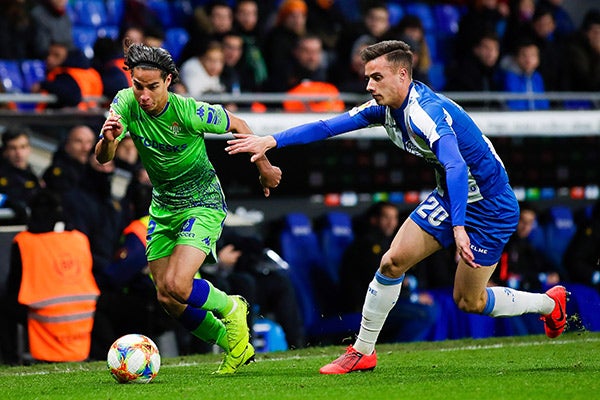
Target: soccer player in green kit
[(188, 205)]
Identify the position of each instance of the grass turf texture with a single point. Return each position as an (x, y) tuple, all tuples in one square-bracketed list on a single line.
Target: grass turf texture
[(531, 367)]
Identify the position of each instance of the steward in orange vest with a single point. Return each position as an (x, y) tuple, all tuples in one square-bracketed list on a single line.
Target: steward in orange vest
[(57, 284), (72, 82)]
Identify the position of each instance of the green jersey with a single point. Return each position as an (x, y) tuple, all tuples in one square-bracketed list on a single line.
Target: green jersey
[(172, 149)]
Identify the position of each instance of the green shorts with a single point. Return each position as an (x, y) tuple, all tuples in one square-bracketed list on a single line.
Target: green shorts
[(198, 227)]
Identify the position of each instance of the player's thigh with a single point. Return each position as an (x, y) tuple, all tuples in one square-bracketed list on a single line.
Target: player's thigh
[(410, 245)]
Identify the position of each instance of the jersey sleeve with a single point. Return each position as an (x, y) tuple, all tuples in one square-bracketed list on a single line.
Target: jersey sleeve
[(119, 106), (357, 118), (208, 118)]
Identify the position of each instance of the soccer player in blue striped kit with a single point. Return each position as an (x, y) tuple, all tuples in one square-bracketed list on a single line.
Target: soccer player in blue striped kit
[(473, 205)]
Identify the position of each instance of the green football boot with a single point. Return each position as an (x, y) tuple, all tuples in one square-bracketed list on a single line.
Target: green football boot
[(241, 351)]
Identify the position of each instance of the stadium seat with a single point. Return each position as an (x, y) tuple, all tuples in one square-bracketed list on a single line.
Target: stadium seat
[(268, 336), (89, 13), (182, 11), (84, 38), (162, 10), (559, 230), (300, 248), (335, 234), (114, 11), (447, 17), (396, 13), (110, 31), (437, 76), (33, 71), (584, 302), (423, 11), (11, 76), (175, 40)]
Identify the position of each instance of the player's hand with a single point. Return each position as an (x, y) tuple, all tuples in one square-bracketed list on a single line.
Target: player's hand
[(112, 127), (270, 179), (255, 145), (463, 246)]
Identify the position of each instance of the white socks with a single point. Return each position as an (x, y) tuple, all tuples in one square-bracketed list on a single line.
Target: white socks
[(505, 302), (381, 297)]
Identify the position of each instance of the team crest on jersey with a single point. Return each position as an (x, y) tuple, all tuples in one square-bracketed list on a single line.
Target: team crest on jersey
[(175, 128)]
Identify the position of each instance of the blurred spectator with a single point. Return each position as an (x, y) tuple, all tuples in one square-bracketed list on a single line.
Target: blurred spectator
[(582, 257), (52, 25), (564, 23), (583, 55), (551, 45), (244, 268), (16, 30), (482, 16), (415, 312), (351, 79), (109, 62), (154, 36), (85, 189), (522, 76), (375, 23), (479, 71), (411, 31), (234, 75), (306, 64), (126, 156), (71, 78), (50, 287), (202, 74), (139, 14), (126, 280), (18, 182), (281, 39), (246, 24), (518, 23), (211, 22), (522, 266), (325, 20), (133, 33)]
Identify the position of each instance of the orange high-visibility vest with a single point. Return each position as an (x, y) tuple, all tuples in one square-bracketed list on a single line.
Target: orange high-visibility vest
[(60, 291), (332, 104), (88, 80), (139, 228), (120, 62)]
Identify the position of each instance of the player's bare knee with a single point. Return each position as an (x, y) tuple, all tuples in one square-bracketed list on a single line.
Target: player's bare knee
[(392, 266), (469, 305), (177, 290)]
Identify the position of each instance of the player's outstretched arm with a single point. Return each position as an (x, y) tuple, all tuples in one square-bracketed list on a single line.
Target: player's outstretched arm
[(255, 145), (270, 176)]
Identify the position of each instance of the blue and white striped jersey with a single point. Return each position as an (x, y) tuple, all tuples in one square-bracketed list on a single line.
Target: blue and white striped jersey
[(431, 126)]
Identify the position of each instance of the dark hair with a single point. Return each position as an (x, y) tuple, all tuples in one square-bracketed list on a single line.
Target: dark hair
[(146, 57), (592, 17), (12, 133), (396, 52), (46, 210)]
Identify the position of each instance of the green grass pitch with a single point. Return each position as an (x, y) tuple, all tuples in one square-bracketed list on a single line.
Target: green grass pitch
[(530, 367)]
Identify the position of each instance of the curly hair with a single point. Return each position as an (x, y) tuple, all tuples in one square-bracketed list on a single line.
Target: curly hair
[(146, 57)]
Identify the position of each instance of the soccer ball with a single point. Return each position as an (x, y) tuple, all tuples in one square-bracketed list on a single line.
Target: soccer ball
[(133, 358)]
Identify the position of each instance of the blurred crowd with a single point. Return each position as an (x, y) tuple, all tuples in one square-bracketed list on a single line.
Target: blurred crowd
[(310, 46)]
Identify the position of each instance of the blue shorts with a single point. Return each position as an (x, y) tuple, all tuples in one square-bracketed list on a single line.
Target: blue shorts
[(489, 223)]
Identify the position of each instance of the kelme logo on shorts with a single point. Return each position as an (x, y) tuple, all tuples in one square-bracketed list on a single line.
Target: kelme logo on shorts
[(186, 229)]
